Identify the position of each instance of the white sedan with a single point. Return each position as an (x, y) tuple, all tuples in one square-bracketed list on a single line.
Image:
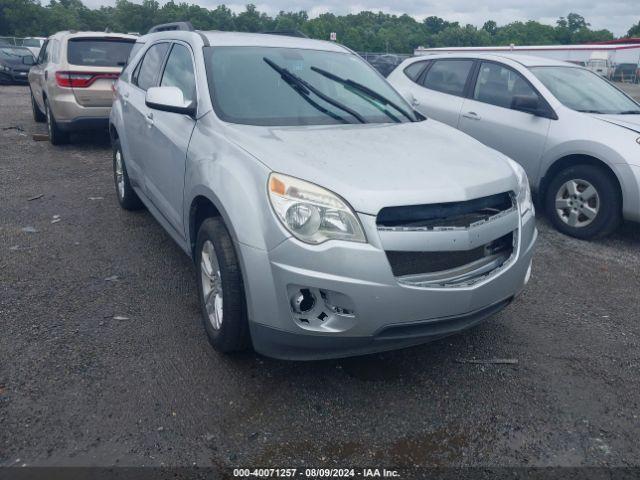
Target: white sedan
[(575, 134)]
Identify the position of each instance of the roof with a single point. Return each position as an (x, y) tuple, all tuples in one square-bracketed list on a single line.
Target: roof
[(628, 41), (74, 34), (526, 60), (242, 39), (592, 46)]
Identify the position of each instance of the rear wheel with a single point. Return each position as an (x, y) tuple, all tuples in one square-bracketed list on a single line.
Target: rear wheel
[(127, 197), (38, 116), (56, 136), (584, 201), (220, 288)]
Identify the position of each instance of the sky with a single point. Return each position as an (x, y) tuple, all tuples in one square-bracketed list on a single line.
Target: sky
[(617, 15)]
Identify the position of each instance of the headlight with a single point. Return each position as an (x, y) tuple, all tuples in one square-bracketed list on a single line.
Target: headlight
[(311, 213), (4, 68), (525, 202)]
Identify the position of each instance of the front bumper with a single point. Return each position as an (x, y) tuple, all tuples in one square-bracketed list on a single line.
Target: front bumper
[(14, 76), (385, 314)]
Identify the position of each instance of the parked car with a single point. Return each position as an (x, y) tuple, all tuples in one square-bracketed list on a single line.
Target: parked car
[(325, 218), (72, 79), (14, 64), (575, 134), (34, 44)]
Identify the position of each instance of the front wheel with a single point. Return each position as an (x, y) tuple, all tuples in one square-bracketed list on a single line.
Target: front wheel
[(584, 201), (220, 288)]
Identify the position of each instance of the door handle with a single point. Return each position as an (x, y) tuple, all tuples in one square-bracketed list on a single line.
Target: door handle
[(125, 94), (471, 116), (46, 74), (149, 119)]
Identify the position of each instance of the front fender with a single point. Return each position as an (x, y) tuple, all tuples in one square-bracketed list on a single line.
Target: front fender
[(236, 184)]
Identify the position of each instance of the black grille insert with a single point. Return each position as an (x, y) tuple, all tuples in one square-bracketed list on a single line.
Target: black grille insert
[(452, 214), (414, 263)]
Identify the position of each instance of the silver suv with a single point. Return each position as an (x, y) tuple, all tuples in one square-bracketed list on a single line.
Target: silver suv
[(325, 217)]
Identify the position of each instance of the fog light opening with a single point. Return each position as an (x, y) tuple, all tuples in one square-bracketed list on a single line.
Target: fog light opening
[(303, 301)]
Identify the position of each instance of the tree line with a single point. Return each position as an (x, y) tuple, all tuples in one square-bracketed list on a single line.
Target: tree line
[(364, 31)]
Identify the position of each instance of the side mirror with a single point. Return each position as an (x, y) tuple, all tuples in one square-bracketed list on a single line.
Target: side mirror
[(169, 99), (28, 60), (526, 103)]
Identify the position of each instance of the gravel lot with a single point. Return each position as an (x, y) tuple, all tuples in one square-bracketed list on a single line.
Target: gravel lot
[(104, 361)]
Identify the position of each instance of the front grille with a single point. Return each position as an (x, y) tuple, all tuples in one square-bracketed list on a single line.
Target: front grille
[(413, 263), (449, 244), (445, 215)]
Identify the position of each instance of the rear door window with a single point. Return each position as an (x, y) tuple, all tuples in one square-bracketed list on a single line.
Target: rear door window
[(136, 48), (99, 52), (448, 76), (43, 52), (146, 75)]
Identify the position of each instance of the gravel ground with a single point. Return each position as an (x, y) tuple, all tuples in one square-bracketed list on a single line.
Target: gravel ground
[(104, 361)]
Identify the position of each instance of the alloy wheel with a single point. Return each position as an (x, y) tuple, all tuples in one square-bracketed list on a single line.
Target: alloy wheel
[(577, 203), (211, 284), (119, 174), (49, 123)]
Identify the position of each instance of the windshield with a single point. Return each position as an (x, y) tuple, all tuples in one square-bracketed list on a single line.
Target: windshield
[(15, 52), (584, 91), (289, 86)]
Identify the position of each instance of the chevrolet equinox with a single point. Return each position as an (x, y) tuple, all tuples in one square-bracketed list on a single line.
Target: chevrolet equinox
[(325, 217)]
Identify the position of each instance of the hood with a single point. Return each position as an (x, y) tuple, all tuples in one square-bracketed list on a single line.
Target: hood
[(375, 166), (632, 122)]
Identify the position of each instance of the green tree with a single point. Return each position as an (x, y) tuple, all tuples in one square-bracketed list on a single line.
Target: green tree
[(364, 31), (490, 27), (634, 31)]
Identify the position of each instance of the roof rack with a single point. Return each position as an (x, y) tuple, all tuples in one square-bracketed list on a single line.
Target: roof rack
[(288, 33), (166, 27)]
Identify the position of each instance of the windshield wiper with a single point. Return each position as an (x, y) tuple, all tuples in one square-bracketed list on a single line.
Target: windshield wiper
[(629, 112), (362, 88), (590, 111), (303, 88)]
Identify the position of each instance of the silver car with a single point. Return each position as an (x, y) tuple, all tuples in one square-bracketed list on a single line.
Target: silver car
[(325, 218), (575, 134)]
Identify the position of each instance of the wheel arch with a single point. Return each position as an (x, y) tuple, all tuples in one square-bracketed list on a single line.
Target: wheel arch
[(113, 132), (572, 160), (201, 208)]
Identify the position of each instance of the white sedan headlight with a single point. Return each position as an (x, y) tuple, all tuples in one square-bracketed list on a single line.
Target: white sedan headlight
[(311, 213), (525, 202)]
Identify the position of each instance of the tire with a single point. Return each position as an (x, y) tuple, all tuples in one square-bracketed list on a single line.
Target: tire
[(56, 136), (127, 197), (564, 200), (214, 243), (38, 116)]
